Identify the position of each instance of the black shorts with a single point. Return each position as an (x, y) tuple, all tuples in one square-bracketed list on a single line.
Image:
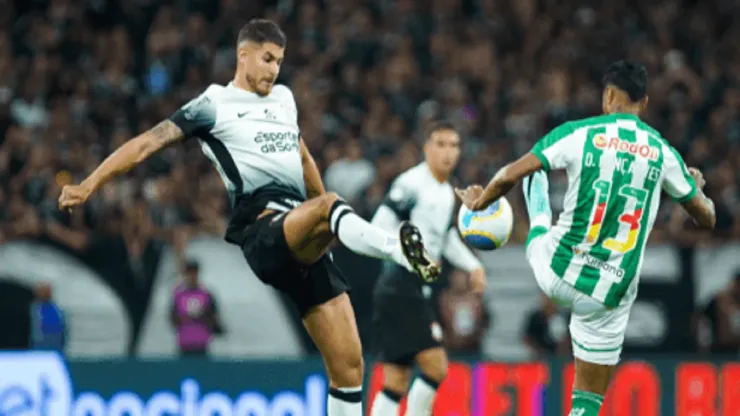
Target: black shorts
[(403, 326), (267, 252)]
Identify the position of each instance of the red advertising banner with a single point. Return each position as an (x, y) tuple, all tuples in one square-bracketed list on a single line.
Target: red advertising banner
[(498, 389)]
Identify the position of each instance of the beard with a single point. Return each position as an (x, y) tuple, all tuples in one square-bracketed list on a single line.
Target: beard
[(254, 86)]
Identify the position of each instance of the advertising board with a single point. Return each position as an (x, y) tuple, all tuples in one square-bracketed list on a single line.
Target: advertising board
[(42, 384)]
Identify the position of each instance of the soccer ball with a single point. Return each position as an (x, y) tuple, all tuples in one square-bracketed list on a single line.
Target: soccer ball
[(487, 229)]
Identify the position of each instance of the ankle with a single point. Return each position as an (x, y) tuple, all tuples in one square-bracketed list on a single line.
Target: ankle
[(586, 403)]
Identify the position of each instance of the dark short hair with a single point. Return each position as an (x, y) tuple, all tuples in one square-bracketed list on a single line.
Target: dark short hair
[(630, 77), (440, 126), (262, 31)]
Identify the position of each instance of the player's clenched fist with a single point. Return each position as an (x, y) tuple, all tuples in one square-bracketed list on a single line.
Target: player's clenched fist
[(698, 177), (73, 195)]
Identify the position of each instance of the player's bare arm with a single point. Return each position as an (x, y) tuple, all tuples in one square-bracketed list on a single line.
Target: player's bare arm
[(311, 175), (700, 207), (476, 197), (121, 161)]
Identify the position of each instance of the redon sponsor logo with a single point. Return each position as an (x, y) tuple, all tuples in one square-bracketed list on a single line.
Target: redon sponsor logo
[(623, 146)]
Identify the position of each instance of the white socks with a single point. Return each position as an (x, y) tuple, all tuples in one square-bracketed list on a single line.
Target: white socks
[(345, 401), (386, 403), (420, 399), (362, 237), (421, 396)]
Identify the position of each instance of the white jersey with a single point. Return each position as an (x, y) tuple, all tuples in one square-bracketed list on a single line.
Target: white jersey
[(253, 141), (254, 144), (417, 196)]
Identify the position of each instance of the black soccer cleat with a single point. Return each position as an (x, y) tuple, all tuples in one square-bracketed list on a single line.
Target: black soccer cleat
[(413, 249)]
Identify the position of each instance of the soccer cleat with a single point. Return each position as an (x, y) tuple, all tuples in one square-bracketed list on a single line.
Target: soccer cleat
[(413, 248)]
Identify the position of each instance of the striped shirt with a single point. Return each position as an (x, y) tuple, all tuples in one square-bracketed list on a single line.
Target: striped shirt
[(616, 167)]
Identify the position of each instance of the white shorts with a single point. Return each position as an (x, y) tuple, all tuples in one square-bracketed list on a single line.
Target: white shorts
[(597, 332)]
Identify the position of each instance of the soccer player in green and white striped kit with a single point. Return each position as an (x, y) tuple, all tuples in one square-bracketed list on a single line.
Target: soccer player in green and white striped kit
[(590, 260)]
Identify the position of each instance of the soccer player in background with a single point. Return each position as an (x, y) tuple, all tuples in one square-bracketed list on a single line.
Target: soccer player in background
[(590, 260), (406, 331), (282, 218)]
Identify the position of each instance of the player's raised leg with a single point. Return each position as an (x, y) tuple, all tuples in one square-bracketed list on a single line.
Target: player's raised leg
[(433, 365), (316, 221), (332, 327), (396, 379), (308, 231)]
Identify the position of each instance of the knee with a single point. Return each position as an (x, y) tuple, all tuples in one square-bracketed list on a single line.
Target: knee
[(397, 380), (435, 369), (347, 370)]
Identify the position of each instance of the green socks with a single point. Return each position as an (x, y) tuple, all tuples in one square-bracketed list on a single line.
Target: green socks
[(585, 403)]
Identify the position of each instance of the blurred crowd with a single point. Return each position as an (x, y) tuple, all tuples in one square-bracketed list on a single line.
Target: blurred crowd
[(79, 77)]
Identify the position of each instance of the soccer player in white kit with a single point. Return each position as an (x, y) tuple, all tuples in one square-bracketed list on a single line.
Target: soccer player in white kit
[(283, 219), (591, 259), (406, 332)]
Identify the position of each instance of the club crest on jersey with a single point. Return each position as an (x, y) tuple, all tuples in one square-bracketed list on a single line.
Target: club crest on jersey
[(622, 146)]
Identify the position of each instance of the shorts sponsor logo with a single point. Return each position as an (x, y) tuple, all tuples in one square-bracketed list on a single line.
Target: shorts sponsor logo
[(623, 146), (436, 331)]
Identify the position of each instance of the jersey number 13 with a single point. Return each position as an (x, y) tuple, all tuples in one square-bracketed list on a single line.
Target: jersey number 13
[(632, 219)]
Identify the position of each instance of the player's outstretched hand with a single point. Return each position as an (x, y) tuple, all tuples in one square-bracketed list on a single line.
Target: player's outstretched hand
[(698, 177), (470, 195), (72, 196)]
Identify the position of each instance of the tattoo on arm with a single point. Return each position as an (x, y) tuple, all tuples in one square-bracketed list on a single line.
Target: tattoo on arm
[(134, 152), (166, 133)]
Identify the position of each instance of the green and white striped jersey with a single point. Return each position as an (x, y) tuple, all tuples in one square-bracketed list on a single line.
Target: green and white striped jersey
[(616, 166)]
